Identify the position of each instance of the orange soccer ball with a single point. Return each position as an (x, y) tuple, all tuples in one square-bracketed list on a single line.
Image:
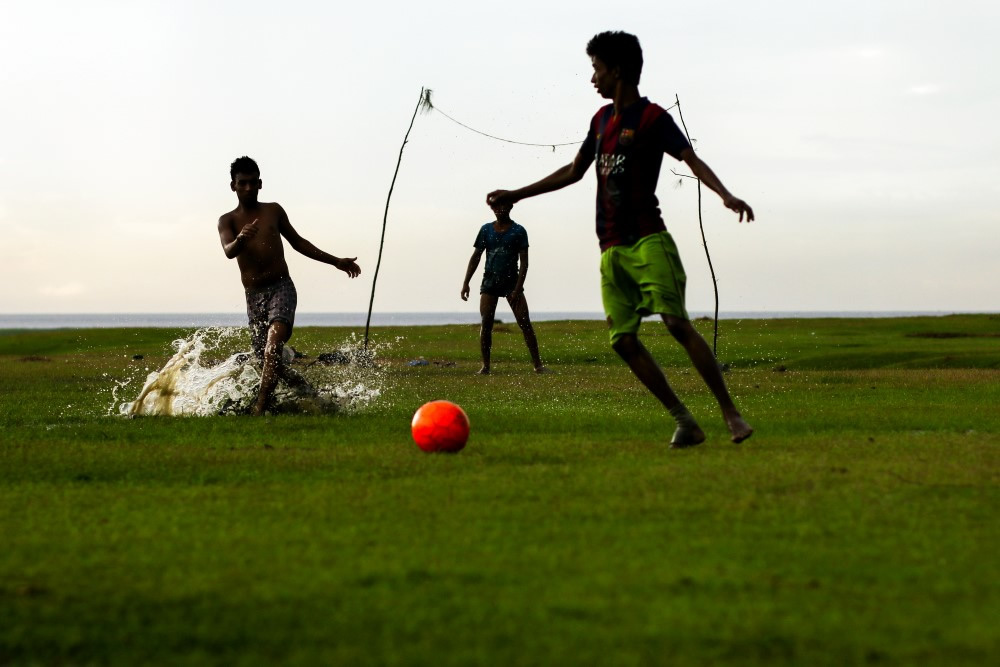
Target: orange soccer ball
[(440, 426)]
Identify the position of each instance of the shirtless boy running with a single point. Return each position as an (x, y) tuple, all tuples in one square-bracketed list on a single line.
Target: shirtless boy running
[(252, 233)]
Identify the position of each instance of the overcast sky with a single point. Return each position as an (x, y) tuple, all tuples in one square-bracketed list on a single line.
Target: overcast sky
[(863, 133)]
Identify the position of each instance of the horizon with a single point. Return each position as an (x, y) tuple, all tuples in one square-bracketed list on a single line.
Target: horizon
[(469, 311), (358, 320)]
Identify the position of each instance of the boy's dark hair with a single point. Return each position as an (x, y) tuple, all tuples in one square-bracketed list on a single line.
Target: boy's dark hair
[(243, 165), (618, 49)]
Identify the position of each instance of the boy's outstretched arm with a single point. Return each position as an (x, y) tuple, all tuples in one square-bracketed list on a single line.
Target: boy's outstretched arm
[(346, 264), (700, 169), (522, 271), (560, 178), (473, 263)]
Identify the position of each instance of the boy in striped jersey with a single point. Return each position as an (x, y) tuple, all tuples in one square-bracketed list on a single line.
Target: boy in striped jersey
[(641, 271)]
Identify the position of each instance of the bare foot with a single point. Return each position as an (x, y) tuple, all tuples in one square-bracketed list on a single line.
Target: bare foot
[(739, 429), (687, 436), (484, 371), (542, 369)]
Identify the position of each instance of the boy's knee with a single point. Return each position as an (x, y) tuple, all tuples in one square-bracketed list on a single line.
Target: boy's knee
[(678, 328), (272, 350), (626, 345)]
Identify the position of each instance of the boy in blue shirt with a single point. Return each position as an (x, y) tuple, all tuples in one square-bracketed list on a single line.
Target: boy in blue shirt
[(506, 246)]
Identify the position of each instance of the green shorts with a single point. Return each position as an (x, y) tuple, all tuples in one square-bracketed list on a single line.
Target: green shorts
[(641, 279)]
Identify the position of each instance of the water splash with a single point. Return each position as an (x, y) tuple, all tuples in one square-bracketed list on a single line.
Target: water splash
[(199, 380)]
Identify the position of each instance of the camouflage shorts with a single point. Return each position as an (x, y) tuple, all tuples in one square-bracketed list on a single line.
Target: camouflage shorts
[(267, 304)]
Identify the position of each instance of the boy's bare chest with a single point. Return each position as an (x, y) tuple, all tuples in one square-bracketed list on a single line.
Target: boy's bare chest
[(265, 222), (266, 242)]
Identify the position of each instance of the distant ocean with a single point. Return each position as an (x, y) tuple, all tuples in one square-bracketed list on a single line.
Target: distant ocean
[(173, 320)]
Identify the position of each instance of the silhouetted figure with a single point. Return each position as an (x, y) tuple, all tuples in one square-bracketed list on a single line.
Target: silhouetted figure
[(506, 245), (641, 271), (252, 233)]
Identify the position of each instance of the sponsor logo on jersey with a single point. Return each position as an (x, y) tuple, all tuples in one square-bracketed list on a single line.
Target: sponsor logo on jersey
[(610, 164)]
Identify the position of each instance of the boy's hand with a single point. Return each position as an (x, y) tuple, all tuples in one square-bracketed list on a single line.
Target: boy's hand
[(249, 230), (500, 198), (348, 266), (740, 206), (465, 292)]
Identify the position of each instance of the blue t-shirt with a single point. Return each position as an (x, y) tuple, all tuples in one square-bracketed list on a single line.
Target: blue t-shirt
[(502, 251)]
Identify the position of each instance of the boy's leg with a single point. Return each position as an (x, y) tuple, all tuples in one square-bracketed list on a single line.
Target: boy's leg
[(638, 358), (626, 292), (278, 334), (708, 367), (281, 308), (519, 306), (487, 311)]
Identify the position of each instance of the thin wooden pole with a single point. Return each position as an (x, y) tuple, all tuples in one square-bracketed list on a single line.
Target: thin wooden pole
[(385, 217)]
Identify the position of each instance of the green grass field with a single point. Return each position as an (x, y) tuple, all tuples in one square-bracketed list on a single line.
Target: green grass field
[(858, 525)]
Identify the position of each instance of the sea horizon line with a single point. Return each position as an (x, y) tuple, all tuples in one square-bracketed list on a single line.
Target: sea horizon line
[(401, 318)]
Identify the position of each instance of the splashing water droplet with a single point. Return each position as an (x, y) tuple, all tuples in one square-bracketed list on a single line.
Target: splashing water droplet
[(193, 383)]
